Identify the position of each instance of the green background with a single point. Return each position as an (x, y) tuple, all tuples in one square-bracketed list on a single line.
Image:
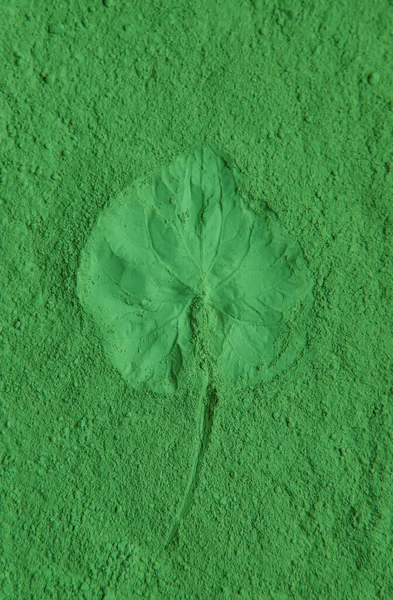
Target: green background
[(294, 500)]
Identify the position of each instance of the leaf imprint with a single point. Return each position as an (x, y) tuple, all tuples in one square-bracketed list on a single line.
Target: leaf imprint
[(180, 271)]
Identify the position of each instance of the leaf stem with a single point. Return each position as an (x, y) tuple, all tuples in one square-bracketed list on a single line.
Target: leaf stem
[(207, 402)]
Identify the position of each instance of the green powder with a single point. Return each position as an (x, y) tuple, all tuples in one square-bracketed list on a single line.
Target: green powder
[(201, 466)]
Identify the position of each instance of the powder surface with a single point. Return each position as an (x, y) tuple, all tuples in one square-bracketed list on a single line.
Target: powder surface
[(294, 490)]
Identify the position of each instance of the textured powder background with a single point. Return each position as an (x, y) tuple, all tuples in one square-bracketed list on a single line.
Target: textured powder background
[(294, 500)]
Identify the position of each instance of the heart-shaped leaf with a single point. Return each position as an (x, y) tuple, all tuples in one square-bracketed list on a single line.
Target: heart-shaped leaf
[(182, 242)]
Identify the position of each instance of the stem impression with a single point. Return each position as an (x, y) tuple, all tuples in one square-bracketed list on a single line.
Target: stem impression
[(207, 401)]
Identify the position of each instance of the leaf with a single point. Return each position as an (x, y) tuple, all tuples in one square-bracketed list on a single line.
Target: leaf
[(186, 235)]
